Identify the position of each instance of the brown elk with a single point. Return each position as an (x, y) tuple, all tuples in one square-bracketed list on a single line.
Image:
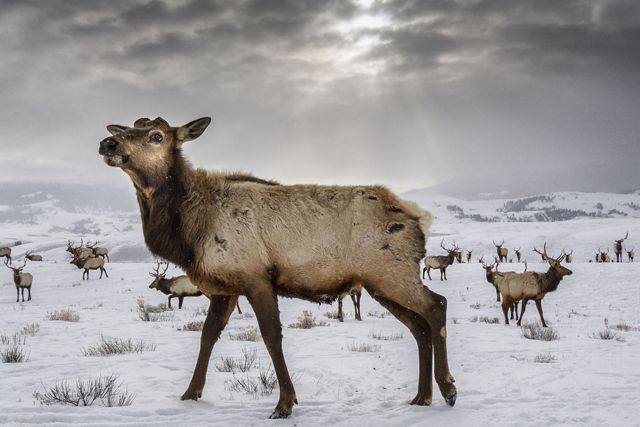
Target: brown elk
[(457, 254), (99, 251), (617, 247), (176, 287), (355, 293), (603, 256), (568, 256), (89, 264), (502, 252), (31, 257), (440, 262), (469, 256), (630, 254), (237, 235), (531, 286), (542, 255), (491, 278), (21, 280), (518, 254), (79, 252), (6, 253)]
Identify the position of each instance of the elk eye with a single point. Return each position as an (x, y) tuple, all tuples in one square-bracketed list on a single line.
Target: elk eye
[(156, 137)]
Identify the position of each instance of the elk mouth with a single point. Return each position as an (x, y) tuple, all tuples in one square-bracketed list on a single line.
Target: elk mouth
[(116, 160)]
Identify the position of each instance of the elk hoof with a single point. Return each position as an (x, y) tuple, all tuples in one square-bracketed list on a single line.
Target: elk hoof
[(451, 400), (279, 414), (191, 395), (421, 400)]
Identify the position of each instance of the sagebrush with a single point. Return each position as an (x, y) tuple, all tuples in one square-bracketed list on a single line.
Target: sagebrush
[(101, 390)]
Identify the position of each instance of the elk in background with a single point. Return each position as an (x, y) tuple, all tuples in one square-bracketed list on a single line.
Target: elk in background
[(469, 256), (518, 254), (502, 252), (79, 252), (21, 280), (355, 292), (531, 286), (31, 257), (440, 262), (603, 256), (6, 253), (630, 253), (491, 278), (176, 287), (542, 255), (99, 251), (617, 247), (89, 264), (457, 254), (568, 256)]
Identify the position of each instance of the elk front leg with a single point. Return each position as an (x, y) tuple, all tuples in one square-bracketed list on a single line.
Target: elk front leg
[(29, 290), (539, 307), (340, 313), (220, 309), (265, 305), (505, 310), (524, 306), (356, 304), (17, 294)]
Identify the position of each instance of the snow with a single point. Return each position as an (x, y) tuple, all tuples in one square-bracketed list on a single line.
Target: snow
[(591, 381)]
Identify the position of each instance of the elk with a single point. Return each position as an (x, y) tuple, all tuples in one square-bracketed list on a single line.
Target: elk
[(31, 257), (6, 253), (518, 254), (176, 287), (531, 286), (630, 254), (99, 251), (568, 256), (469, 256), (542, 255), (235, 234), (355, 293), (617, 247), (21, 280), (603, 256), (502, 252), (491, 278), (79, 252), (90, 264), (457, 254), (440, 262)]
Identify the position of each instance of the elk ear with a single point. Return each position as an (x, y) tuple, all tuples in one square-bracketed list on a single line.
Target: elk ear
[(192, 130), (116, 129)]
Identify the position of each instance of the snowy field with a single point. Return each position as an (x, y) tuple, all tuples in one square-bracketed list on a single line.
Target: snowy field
[(501, 376)]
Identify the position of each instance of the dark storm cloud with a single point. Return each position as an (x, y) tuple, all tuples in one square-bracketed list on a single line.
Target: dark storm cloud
[(402, 92)]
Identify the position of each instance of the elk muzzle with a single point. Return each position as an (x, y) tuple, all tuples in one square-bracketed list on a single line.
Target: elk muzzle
[(109, 149)]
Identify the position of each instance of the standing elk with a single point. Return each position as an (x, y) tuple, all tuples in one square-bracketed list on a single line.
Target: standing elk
[(491, 278), (603, 256), (630, 254), (21, 280), (469, 256), (518, 254), (31, 257), (236, 234), (617, 247), (355, 293), (6, 253), (542, 255), (568, 256), (531, 286), (89, 264), (176, 287), (79, 252), (440, 262), (457, 254), (99, 251), (502, 252)]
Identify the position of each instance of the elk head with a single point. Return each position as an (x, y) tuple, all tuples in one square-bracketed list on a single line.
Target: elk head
[(555, 263), (619, 242), (453, 252), (543, 255), (148, 150), (16, 271), (157, 275), (488, 268)]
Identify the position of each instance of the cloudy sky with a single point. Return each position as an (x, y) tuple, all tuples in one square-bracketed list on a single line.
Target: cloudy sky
[(406, 93)]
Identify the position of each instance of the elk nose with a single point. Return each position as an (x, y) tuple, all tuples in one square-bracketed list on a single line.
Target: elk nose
[(108, 146)]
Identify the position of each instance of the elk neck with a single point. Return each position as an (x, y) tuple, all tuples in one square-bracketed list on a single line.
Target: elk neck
[(552, 280)]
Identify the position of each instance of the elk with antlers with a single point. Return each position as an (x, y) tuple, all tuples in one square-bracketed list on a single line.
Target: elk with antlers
[(617, 247), (542, 255), (469, 256), (355, 293), (568, 258), (79, 252), (518, 254), (6, 253), (491, 278), (630, 254), (440, 262), (502, 252), (31, 257), (603, 256), (21, 280), (99, 251), (89, 264), (176, 287), (531, 286), (236, 234)]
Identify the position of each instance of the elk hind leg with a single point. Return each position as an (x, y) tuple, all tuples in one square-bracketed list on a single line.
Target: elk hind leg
[(524, 306), (340, 313), (220, 309), (539, 307)]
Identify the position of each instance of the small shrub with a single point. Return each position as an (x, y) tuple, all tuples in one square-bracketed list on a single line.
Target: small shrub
[(202, 310), (490, 320), (475, 306), (268, 381), (306, 321), (192, 326), (378, 314), (244, 364), (625, 327), (394, 336), (264, 384), (250, 333), (544, 358), (607, 334), (364, 347), (65, 315), (535, 331), (245, 316), (331, 314), (153, 313), (102, 390), (112, 346), (14, 354), (30, 329)]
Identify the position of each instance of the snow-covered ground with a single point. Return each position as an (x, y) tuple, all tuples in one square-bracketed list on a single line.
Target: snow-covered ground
[(590, 381)]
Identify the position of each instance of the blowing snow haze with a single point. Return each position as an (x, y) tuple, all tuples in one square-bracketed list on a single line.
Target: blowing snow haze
[(406, 93)]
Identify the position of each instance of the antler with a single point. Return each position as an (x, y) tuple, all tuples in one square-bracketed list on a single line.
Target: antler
[(442, 245), (625, 237), (481, 260), (497, 246), (156, 270)]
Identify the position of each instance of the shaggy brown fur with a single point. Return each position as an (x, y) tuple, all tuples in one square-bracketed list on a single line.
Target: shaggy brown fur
[(239, 235), (491, 277), (502, 252)]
